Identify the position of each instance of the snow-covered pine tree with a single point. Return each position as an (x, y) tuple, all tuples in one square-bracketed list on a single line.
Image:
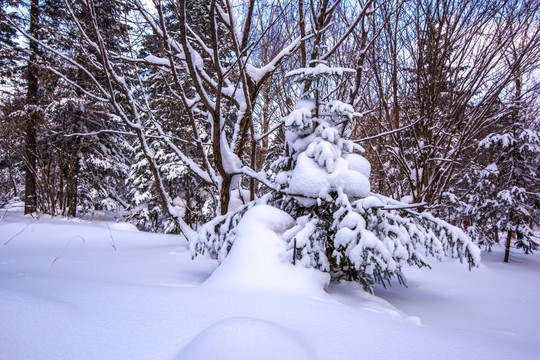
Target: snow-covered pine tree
[(11, 144), (190, 199), (104, 166), (341, 227), (80, 172), (145, 211), (506, 197)]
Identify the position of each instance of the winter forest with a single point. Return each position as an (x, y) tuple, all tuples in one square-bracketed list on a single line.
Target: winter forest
[(365, 138)]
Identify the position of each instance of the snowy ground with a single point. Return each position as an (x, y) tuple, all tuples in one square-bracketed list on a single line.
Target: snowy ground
[(73, 289)]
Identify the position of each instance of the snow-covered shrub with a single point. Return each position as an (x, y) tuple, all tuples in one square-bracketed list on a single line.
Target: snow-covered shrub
[(505, 198), (340, 226), (217, 236), (366, 241), (343, 228)]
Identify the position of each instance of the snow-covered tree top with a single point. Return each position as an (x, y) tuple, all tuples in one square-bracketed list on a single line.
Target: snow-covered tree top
[(529, 137)]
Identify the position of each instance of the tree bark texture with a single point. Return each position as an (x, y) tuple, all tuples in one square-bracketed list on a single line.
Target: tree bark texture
[(30, 149)]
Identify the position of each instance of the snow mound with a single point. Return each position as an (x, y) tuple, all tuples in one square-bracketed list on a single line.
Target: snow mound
[(256, 261), (122, 226), (246, 338), (13, 206), (358, 163), (311, 179)]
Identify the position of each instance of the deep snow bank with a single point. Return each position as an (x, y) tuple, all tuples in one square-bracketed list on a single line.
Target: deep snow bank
[(247, 338), (143, 301), (256, 261)]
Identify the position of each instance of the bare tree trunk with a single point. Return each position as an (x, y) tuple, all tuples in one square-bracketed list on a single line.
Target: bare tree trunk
[(254, 167), (13, 183), (30, 149), (72, 183), (225, 194), (72, 178), (508, 245)]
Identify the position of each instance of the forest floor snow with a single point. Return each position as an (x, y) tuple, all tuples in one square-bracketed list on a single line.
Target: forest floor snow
[(91, 289)]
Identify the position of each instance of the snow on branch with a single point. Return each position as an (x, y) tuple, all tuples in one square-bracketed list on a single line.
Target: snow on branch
[(387, 132)]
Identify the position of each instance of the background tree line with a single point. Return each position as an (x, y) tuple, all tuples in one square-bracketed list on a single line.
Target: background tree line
[(171, 110)]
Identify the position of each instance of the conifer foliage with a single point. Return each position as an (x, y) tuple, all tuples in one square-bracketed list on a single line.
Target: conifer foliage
[(341, 227), (506, 197)]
